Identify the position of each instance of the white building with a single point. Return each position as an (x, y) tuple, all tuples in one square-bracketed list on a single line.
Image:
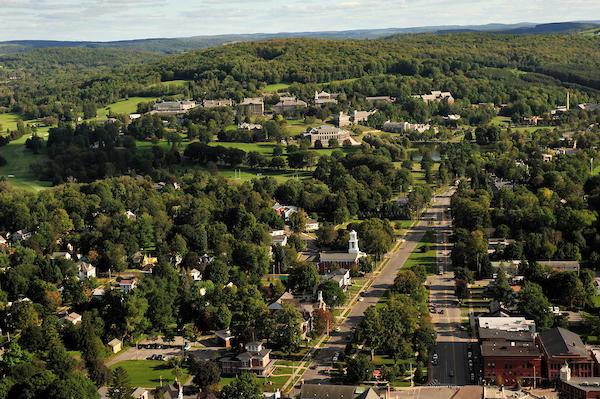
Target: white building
[(85, 270), (507, 323), (325, 133), (401, 127), (342, 259), (174, 106)]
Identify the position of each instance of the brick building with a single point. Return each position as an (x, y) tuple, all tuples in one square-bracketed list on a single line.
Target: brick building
[(560, 346)]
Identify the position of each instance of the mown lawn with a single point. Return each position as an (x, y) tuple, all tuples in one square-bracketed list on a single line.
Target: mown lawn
[(262, 148), (126, 106), (421, 257), (18, 165), (8, 121), (275, 87), (148, 373), (596, 170)]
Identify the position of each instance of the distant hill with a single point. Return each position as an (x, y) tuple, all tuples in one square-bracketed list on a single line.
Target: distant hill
[(178, 45)]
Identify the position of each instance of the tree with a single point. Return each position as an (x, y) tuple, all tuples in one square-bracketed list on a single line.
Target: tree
[(297, 221), (287, 332), (246, 386), (74, 385), (206, 373), (120, 387), (303, 277), (406, 282), (359, 369), (333, 294), (322, 321), (534, 305)]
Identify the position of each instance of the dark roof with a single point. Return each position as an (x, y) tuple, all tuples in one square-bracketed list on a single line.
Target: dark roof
[(559, 341), (495, 334), (332, 257), (509, 348)]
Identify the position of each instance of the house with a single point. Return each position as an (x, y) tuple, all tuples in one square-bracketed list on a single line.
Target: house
[(289, 104), (277, 232), (547, 157), (226, 102), (116, 345), (384, 99), (533, 120), (224, 338), (436, 96), (249, 126), (195, 274), (140, 393), (279, 240), (3, 242), (589, 107), (341, 276), (560, 346), (311, 225), (252, 106), (324, 391), (288, 211), (278, 208), (127, 285), (401, 127), (510, 357), (561, 265), (306, 309), (73, 318), (85, 270), (325, 133), (174, 107), (343, 119), (60, 255), (254, 360), (98, 293), (325, 98), (332, 260)]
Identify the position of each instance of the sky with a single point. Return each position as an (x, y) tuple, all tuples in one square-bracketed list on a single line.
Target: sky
[(106, 20)]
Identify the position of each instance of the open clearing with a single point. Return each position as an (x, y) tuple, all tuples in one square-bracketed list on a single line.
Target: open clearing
[(148, 373)]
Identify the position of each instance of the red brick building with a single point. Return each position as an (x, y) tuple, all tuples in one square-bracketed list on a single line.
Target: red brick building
[(560, 346), (511, 362)]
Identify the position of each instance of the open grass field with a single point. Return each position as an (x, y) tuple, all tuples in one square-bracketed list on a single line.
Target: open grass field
[(171, 83), (148, 373), (246, 174), (298, 126), (275, 87), (424, 255), (262, 148), (596, 170), (127, 106), (8, 121)]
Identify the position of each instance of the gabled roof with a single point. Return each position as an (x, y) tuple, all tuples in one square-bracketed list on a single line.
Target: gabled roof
[(559, 341), (317, 391)]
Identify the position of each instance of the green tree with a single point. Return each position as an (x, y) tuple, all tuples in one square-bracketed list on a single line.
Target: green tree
[(120, 387), (245, 386), (303, 277), (359, 369), (206, 373), (333, 294), (297, 221), (534, 305), (287, 333)]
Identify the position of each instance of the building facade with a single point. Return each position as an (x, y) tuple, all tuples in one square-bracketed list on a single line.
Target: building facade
[(559, 347)]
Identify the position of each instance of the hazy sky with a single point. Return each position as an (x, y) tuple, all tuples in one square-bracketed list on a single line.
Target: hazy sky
[(128, 19)]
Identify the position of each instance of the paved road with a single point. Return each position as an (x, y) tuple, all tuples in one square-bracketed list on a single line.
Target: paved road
[(381, 283), (451, 346)]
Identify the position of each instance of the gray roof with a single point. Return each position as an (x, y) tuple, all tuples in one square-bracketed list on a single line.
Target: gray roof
[(506, 348), (338, 257), (317, 391), (495, 334), (559, 341)]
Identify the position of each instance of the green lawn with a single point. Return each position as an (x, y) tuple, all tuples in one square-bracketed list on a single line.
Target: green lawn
[(8, 121), (127, 106), (263, 148), (275, 87), (596, 170), (247, 174), (418, 257), (171, 83), (18, 167), (148, 373)]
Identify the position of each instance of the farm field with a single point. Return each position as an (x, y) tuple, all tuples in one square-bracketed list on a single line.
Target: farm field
[(275, 87)]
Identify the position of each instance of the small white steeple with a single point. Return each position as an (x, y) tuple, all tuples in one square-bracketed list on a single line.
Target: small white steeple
[(565, 372), (353, 243)]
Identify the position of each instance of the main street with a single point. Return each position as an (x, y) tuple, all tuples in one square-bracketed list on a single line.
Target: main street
[(452, 341), (373, 293)]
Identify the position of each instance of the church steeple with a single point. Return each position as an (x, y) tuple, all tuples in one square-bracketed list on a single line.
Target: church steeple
[(353, 243)]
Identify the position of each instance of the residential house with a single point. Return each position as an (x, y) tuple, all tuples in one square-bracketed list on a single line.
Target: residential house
[(115, 345), (252, 106), (325, 133), (547, 157), (254, 360), (560, 346), (561, 265), (85, 270), (533, 120), (325, 98), (195, 274), (98, 293), (60, 255), (127, 285), (278, 209), (3, 242), (20, 235), (311, 225), (288, 210), (589, 107), (341, 276), (224, 338), (73, 318), (436, 96), (306, 309), (289, 104), (384, 99), (140, 393), (226, 102), (343, 119), (401, 127), (329, 261), (249, 126), (279, 240), (325, 391)]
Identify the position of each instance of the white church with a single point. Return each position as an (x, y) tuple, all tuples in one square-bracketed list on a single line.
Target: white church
[(328, 260)]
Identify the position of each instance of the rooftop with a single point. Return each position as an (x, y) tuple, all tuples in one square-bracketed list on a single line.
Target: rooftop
[(559, 341), (509, 348)]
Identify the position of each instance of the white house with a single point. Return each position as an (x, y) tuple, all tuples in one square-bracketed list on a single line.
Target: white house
[(195, 274), (312, 225), (341, 277), (127, 285), (85, 270), (73, 318)]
